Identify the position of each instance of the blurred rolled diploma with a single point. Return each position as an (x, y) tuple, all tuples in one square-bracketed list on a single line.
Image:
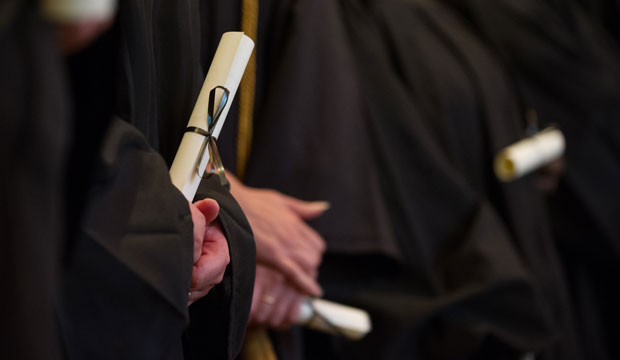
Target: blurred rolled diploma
[(75, 11), (529, 154), (351, 322), (227, 68)]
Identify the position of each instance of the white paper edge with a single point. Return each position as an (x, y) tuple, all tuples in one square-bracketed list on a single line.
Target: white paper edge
[(529, 154), (352, 322), (227, 68)]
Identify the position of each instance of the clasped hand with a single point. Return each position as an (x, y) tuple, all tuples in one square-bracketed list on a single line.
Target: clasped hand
[(211, 254), (284, 241)]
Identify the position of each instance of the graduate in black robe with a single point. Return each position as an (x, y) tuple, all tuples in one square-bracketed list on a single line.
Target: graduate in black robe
[(565, 67), (441, 106), (34, 143), (137, 225), (163, 74), (392, 111)]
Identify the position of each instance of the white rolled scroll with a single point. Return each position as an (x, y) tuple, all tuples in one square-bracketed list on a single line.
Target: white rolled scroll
[(344, 320), (78, 10), (529, 154), (227, 68)]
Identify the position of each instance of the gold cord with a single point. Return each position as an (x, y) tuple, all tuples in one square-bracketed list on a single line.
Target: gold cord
[(257, 346), (249, 25)]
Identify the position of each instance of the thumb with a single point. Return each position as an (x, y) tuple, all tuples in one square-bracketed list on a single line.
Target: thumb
[(209, 208), (306, 209)]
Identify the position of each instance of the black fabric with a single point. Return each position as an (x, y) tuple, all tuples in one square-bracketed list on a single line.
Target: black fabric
[(392, 111), (161, 73), (566, 68), (216, 18), (458, 110), (310, 140), (92, 79), (128, 275), (451, 107), (34, 142), (126, 267), (220, 318), (605, 13), (160, 81)]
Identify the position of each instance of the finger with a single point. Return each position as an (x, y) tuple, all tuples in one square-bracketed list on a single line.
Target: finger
[(293, 310), (269, 299), (260, 282), (256, 298), (210, 267), (282, 309), (307, 260), (311, 238), (547, 184), (209, 208), (215, 243), (196, 295), (306, 209), (299, 278), (308, 249), (558, 164)]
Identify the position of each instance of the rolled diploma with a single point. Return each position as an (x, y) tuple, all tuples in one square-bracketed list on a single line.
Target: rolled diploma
[(78, 10), (529, 154), (352, 322), (229, 62)]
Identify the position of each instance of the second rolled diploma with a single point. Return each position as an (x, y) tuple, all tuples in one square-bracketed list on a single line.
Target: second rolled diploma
[(529, 154)]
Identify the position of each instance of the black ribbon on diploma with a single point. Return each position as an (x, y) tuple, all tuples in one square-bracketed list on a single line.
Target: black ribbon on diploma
[(215, 165)]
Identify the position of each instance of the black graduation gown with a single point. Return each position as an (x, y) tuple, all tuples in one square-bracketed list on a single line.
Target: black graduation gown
[(218, 321), (34, 142), (566, 68), (162, 75), (450, 108), (124, 289), (605, 13), (448, 262), (127, 269)]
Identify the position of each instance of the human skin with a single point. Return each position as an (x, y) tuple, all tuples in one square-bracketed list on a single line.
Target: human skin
[(284, 241), (211, 255), (275, 303), (75, 36)]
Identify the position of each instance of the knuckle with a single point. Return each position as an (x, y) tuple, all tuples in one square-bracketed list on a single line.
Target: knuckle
[(220, 277), (322, 245), (315, 261), (274, 194)]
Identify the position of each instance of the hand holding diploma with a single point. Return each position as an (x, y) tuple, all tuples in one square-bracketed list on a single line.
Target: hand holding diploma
[(548, 177), (211, 254), (198, 150), (278, 305)]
